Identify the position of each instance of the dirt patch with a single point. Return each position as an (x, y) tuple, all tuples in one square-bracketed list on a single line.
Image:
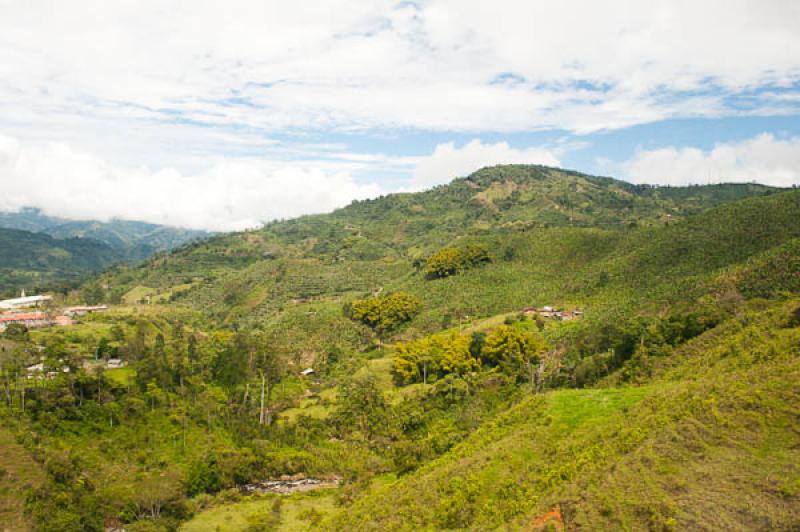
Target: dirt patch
[(551, 520)]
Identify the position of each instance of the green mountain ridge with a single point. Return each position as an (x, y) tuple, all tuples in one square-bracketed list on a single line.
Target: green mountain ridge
[(133, 240), (36, 261)]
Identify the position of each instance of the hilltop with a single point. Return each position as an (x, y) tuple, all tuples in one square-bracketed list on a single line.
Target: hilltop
[(372, 243)]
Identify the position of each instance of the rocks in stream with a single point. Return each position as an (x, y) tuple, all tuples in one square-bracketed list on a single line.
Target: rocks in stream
[(289, 484)]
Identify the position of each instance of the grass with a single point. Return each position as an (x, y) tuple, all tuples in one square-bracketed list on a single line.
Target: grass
[(295, 513), (571, 409), (121, 376), (18, 472), (137, 293), (711, 444)]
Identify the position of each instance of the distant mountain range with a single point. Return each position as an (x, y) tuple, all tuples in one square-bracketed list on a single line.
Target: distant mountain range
[(40, 251), (134, 241)]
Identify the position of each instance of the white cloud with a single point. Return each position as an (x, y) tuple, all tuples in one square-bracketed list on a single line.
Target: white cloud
[(234, 96), (353, 65), (763, 158), (230, 194), (448, 161)]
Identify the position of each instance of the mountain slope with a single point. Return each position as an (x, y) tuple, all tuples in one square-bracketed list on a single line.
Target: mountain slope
[(370, 243), (134, 241), (709, 445), (33, 260), (670, 403)]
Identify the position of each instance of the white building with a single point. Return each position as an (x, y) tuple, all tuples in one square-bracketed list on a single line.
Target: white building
[(23, 302)]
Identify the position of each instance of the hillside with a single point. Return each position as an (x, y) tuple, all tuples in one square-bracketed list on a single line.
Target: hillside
[(384, 345), (33, 260), (710, 444), (132, 240), (371, 244)]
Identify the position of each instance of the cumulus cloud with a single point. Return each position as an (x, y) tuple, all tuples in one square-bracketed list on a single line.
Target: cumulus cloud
[(228, 195), (448, 161), (440, 64), (763, 158), (203, 113)]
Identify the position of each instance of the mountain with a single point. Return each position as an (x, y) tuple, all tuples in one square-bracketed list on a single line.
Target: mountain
[(394, 346), (134, 241), (33, 260), (521, 212)]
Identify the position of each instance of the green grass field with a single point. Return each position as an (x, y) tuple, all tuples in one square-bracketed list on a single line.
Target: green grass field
[(298, 512)]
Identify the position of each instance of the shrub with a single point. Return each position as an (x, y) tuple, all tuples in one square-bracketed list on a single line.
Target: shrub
[(386, 313), (450, 261)]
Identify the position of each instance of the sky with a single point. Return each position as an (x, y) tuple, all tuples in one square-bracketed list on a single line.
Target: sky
[(225, 115)]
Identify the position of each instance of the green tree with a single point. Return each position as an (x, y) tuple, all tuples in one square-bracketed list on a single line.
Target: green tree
[(362, 407), (452, 260), (386, 313), (516, 352)]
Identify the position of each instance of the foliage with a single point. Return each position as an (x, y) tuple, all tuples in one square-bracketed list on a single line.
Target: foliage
[(434, 356), (450, 261), (385, 313)]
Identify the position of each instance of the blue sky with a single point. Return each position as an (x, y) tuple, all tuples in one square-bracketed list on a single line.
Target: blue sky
[(222, 117)]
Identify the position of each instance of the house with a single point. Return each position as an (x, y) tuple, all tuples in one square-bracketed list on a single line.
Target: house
[(551, 312), (23, 302), (545, 312), (36, 368), (568, 315), (115, 363), (308, 371), (31, 320), (81, 311)]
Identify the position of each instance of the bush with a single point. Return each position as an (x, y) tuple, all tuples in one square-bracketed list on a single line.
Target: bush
[(386, 313), (450, 261)]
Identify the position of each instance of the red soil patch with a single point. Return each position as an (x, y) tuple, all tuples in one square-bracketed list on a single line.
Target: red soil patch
[(550, 519)]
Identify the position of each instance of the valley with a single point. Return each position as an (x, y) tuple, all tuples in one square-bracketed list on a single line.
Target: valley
[(424, 350)]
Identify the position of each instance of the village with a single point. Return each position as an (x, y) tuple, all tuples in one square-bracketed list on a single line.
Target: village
[(36, 312)]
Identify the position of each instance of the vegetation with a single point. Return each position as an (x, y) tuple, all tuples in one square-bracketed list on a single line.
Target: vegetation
[(320, 347), (385, 313), (33, 261), (450, 261)]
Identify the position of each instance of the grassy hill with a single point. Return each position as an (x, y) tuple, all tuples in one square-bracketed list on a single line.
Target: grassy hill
[(373, 243), (671, 403), (32, 260), (709, 444)]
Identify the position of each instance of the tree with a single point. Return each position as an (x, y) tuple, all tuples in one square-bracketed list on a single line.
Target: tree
[(513, 350), (452, 260), (231, 366), (455, 355), (386, 313), (93, 294), (437, 355), (17, 331), (362, 406), (271, 367)]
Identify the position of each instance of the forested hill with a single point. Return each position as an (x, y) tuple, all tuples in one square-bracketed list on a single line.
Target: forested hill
[(33, 260), (133, 241), (353, 248), (401, 345)]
